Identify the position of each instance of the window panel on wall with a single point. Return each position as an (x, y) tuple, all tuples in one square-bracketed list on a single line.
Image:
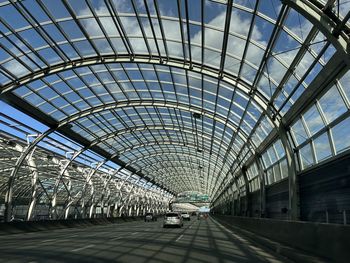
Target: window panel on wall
[(326, 111), (277, 172), (279, 149), (345, 84), (332, 104), (299, 133), (266, 160), (270, 178), (284, 168), (306, 156), (322, 147), (313, 120), (272, 155), (341, 135), (275, 164)]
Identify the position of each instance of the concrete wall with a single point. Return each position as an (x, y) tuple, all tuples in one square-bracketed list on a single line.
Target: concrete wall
[(330, 241)]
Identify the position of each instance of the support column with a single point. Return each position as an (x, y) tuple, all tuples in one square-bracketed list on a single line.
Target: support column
[(9, 193), (88, 182), (248, 201), (92, 201), (293, 204), (35, 178), (92, 209), (69, 201), (63, 171), (262, 186), (105, 186)]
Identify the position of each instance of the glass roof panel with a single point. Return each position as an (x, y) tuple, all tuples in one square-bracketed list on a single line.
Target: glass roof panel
[(195, 76)]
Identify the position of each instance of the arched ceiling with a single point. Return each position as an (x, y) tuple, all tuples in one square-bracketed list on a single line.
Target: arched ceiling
[(182, 91)]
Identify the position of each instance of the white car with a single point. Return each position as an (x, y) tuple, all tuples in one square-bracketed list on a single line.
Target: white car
[(185, 216), (173, 219)]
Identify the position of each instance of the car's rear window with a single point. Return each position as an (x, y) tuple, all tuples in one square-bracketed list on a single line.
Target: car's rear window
[(172, 215), (149, 214)]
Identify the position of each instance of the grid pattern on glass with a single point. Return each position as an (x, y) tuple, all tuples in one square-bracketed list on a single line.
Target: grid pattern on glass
[(70, 92), (275, 163), (253, 177), (247, 43), (164, 161), (322, 130), (241, 184), (228, 118), (278, 53)]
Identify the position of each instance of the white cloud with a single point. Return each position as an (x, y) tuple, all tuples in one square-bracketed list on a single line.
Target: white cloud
[(16, 68)]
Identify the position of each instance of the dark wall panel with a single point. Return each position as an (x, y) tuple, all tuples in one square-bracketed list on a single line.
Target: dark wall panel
[(276, 200), (325, 192), (255, 204)]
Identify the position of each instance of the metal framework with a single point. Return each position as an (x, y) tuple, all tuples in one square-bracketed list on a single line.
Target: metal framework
[(219, 97)]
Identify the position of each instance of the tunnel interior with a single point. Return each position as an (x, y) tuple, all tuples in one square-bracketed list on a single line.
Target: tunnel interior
[(112, 108)]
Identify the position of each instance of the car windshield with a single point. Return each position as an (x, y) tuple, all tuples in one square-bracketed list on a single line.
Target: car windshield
[(172, 215), (184, 213), (149, 214)]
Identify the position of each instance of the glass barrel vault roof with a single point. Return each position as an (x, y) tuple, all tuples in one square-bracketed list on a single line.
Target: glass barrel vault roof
[(183, 91)]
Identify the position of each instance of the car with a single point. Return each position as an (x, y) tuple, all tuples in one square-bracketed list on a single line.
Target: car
[(150, 217), (185, 216), (173, 219), (202, 216)]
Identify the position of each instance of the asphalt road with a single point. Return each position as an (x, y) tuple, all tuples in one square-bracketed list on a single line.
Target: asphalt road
[(198, 241)]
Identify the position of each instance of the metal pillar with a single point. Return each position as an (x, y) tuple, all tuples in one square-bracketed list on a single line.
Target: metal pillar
[(35, 178), (89, 182), (92, 199), (9, 193), (293, 202), (262, 186), (69, 200), (248, 202), (63, 171)]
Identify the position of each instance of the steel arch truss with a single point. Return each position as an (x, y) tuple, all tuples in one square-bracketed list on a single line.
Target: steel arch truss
[(155, 88)]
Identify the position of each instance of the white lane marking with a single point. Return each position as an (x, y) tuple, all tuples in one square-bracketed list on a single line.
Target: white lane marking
[(53, 241), (179, 238), (27, 247), (82, 248), (48, 240), (134, 233), (73, 236), (116, 238)]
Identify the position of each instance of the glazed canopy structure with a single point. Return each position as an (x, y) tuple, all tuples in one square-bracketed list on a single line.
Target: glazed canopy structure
[(224, 98)]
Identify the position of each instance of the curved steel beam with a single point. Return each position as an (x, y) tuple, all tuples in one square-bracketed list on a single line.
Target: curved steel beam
[(155, 153), (161, 143), (171, 154), (169, 164), (180, 166), (156, 103), (157, 128), (145, 59), (13, 175), (326, 24)]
